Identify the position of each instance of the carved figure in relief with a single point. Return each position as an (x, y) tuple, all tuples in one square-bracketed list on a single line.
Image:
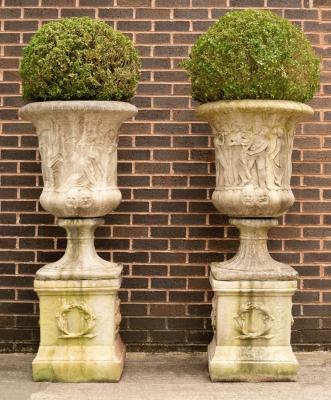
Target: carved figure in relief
[(256, 160), (238, 142), (245, 156), (94, 171), (277, 158), (93, 158), (286, 158), (111, 159), (112, 164), (223, 161), (50, 147), (78, 161), (93, 147)]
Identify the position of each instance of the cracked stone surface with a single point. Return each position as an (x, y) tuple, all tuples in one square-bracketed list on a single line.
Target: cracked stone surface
[(165, 376)]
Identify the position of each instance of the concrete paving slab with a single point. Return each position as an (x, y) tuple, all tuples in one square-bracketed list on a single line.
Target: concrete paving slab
[(166, 376)]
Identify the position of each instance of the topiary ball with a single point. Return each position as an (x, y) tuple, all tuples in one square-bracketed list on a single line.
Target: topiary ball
[(79, 59), (253, 54)]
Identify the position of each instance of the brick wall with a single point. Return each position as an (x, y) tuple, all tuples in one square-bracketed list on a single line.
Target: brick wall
[(166, 230)]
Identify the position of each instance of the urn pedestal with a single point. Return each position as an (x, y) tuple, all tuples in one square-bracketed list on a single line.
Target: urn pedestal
[(79, 303), (252, 301), (252, 322), (79, 331), (251, 314)]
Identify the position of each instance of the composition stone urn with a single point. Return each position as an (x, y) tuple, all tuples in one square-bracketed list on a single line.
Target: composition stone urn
[(79, 304), (252, 302)]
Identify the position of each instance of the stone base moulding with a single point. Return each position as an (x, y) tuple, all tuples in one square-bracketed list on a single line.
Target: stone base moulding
[(252, 329), (79, 327)]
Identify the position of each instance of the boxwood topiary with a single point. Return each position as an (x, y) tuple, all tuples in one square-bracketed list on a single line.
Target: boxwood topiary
[(252, 54), (79, 59)]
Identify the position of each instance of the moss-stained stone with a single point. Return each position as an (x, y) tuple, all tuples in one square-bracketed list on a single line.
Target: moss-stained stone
[(79, 325), (252, 323)]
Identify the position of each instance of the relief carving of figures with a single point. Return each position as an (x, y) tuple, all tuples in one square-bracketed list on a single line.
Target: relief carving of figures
[(256, 160), (238, 142), (86, 146), (79, 156), (224, 171), (258, 156), (78, 148), (51, 151), (281, 143), (84, 157), (253, 146), (231, 163)]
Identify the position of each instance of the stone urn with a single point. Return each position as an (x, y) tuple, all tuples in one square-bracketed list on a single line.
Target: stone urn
[(253, 147), (253, 292), (79, 304), (78, 149)]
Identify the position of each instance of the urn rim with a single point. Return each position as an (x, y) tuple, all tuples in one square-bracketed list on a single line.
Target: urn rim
[(207, 110), (100, 106)]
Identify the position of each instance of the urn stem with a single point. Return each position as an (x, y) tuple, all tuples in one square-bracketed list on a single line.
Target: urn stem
[(80, 236), (253, 261), (80, 260)]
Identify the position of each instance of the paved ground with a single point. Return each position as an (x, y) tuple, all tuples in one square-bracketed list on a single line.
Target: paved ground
[(171, 376)]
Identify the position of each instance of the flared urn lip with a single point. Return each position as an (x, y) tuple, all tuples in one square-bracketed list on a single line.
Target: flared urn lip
[(207, 110), (97, 106)]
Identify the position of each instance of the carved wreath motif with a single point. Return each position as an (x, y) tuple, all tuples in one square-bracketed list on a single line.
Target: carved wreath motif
[(87, 321), (263, 325)]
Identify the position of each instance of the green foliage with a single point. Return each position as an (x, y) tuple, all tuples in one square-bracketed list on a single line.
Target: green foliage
[(79, 59), (253, 54)]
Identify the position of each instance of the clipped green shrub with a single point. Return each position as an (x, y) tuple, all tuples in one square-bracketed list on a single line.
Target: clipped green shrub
[(252, 54), (79, 59)]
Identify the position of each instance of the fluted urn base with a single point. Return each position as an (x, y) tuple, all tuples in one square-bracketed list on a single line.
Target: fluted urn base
[(252, 311), (253, 261), (80, 260)]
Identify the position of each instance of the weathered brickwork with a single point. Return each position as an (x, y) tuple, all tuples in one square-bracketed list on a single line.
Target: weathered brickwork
[(166, 230)]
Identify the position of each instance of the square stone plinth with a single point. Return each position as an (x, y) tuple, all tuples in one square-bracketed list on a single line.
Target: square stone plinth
[(79, 325), (252, 329)]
